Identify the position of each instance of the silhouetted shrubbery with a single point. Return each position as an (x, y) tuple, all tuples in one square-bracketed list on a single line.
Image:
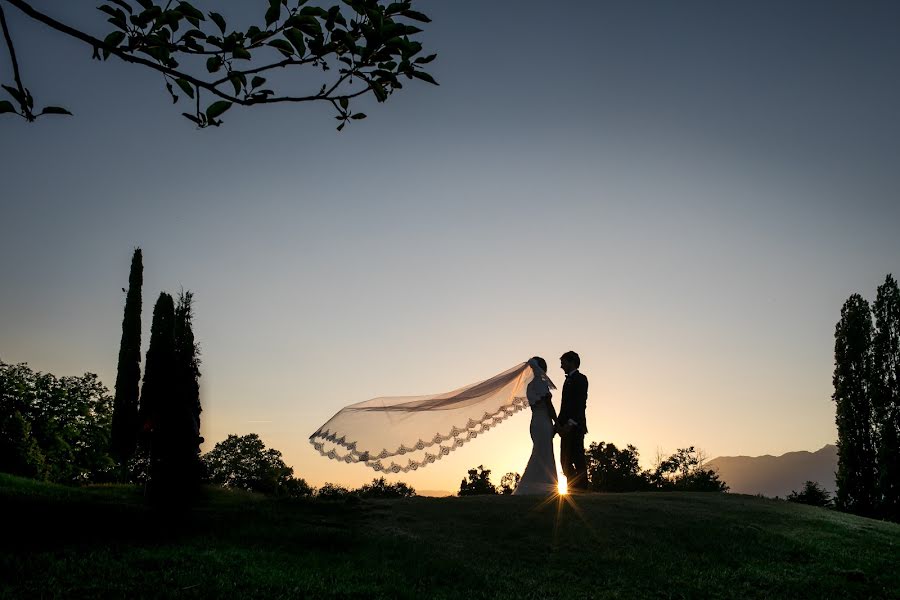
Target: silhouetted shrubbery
[(812, 494)]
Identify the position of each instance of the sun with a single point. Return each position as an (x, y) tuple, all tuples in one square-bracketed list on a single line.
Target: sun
[(562, 487)]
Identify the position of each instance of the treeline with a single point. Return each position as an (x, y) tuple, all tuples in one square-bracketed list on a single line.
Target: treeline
[(611, 469), (867, 403), (54, 428), (244, 462)]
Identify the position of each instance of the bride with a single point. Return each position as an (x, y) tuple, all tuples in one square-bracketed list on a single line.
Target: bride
[(540, 473)]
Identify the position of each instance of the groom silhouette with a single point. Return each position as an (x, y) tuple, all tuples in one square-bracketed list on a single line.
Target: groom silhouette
[(571, 424)]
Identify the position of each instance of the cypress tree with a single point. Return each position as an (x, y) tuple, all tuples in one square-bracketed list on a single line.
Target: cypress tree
[(854, 417), (128, 374), (186, 407), (157, 393), (886, 395)]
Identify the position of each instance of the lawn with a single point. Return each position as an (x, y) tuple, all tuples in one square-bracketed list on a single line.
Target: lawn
[(102, 541)]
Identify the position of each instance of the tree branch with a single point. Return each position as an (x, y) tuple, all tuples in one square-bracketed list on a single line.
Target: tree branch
[(15, 64), (97, 43)]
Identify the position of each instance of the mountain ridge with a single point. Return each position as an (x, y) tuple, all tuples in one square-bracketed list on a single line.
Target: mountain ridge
[(771, 475)]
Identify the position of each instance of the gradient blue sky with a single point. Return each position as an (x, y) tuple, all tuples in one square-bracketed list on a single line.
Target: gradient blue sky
[(685, 193)]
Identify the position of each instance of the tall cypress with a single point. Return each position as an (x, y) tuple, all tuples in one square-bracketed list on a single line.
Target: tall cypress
[(157, 393), (886, 395), (854, 417), (186, 408), (128, 374)]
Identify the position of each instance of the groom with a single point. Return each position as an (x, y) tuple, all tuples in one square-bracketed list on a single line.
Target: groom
[(571, 424)]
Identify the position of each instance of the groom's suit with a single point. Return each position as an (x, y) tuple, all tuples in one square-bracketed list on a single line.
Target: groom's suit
[(571, 443)]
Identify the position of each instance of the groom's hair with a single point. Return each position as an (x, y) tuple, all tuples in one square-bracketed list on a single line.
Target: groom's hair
[(571, 357), (541, 362)]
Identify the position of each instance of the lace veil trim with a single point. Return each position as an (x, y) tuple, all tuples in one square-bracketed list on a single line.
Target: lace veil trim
[(332, 441)]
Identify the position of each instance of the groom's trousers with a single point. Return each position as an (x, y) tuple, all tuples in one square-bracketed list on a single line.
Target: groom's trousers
[(574, 465)]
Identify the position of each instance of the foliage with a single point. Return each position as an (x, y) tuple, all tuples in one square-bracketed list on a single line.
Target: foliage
[(614, 470), (157, 397), (812, 494), (380, 488), (683, 471), (199, 53), (853, 415), (128, 373), (479, 482), (185, 413), (509, 483), (333, 491), (52, 427), (20, 453), (244, 462), (885, 389)]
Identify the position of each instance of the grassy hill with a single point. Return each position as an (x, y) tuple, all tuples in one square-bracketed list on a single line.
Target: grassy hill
[(103, 542)]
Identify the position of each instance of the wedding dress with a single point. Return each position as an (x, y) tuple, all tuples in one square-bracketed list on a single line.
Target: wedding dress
[(540, 472)]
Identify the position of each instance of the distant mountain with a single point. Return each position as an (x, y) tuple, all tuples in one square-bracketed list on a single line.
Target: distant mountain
[(777, 475)]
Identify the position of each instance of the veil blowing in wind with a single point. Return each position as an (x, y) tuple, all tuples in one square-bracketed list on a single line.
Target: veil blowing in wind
[(404, 433)]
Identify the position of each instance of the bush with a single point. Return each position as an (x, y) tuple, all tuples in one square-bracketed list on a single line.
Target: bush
[(812, 494)]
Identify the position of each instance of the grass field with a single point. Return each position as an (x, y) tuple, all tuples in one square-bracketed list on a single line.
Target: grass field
[(103, 542)]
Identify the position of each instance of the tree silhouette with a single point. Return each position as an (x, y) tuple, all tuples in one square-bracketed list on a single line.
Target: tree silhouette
[(185, 410), (244, 462), (158, 393), (853, 415), (885, 389), (479, 483), (614, 470), (54, 427), (812, 494), (195, 53), (380, 488), (509, 483), (683, 471), (128, 374)]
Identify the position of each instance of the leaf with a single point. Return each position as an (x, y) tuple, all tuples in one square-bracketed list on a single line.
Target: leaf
[(147, 4), (114, 39), (213, 64), (257, 81), (218, 20), (18, 97), (6, 107), (190, 11), (217, 108), (358, 116), (273, 13), (235, 80), (284, 46), (241, 52), (192, 118), (55, 110), (296, 39), (123, 4), (341, 126), (171, 92), (380, 93), (416, 16), (425, 60), (424, 77), (344, 102), (185, 86)]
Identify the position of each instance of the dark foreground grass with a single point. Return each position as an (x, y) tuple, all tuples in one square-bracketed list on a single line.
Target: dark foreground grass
[(104, 542)]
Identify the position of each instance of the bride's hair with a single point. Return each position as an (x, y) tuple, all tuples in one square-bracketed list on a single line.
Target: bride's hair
[(541, 362)]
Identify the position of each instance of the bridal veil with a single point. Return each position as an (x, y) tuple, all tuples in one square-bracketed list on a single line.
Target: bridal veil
[(405, 433)]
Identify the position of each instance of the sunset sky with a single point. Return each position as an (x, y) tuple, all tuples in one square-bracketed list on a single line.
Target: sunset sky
[(684, 193)]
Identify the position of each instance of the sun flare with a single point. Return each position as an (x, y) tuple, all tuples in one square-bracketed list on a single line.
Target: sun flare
[(562, 487)]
